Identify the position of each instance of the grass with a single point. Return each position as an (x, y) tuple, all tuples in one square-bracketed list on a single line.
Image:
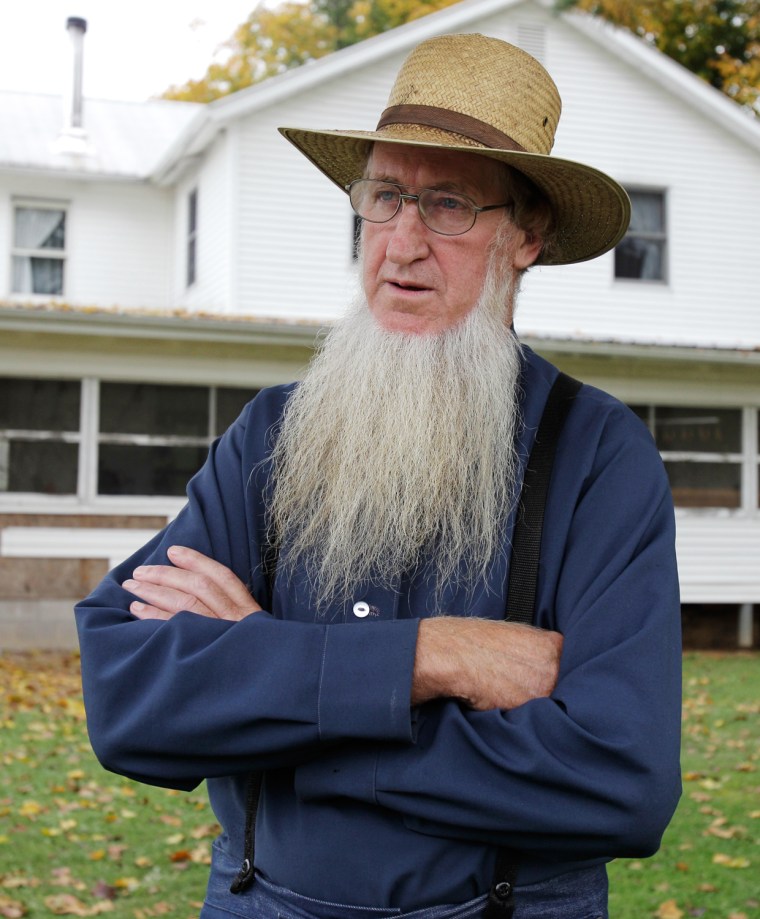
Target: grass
[(76, 840)]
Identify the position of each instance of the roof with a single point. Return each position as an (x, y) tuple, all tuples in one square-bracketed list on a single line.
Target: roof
[(151, 140), (460, 17), (122, 140), (56, 318)]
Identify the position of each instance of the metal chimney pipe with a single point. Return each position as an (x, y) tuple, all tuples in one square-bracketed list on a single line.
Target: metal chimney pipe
[(76, 28)]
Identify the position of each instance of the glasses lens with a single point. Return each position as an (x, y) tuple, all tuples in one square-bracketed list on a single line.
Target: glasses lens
[(373, 200), (445, 212)]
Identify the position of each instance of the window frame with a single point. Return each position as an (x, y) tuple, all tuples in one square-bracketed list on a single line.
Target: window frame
[(747, 458), (191, 239), (62, 255), (88, 437), (659, 236)]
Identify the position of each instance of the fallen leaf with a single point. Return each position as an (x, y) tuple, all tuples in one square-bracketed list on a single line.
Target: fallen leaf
[(727, 862), (11, 909), (669, 910)]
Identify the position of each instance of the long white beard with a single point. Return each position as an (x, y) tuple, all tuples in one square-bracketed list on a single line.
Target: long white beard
[(397, 449)]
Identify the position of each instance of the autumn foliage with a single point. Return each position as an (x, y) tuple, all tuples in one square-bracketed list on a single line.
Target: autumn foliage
[(279, 38), (719, 40)]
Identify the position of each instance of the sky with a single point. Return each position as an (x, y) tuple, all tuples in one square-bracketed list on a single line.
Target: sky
[(132, 51)]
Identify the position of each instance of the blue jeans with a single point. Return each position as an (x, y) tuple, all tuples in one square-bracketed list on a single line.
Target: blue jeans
[(577, 895)]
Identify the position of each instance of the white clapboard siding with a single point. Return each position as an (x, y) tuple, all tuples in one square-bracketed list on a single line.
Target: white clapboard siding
[(216, 186), (625, 122), (118, 238), (718, 559), (294, 244)]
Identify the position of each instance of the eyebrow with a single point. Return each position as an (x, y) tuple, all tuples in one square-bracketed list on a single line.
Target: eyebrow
[(448, 185)]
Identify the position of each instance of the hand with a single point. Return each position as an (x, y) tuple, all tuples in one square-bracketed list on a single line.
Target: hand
[(193, 582), (485, 663)]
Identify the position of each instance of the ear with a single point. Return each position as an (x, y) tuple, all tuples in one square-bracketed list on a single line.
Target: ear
[(528, 249)]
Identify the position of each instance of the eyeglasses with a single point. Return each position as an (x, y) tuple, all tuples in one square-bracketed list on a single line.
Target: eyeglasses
[(444, 212)]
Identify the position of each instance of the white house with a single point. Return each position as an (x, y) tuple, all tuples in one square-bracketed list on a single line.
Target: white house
[(164, 260)]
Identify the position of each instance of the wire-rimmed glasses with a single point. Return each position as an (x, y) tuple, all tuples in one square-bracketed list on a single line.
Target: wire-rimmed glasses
[(446, 212)]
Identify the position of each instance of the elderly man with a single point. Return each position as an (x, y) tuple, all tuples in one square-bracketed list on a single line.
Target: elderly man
[(320, 633)]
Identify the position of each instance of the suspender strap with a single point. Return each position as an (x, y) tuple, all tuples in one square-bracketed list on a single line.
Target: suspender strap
[(526, 540), (523, 583), (244, 877)]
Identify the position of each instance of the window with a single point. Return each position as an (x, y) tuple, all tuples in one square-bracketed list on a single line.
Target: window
[(641, 254), (192, 236), (39, 436), (149, 438), (702, 451), (356, 236), (39, 249)]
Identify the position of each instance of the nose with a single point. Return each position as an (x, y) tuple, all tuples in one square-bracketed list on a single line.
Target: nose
[(409, 235)]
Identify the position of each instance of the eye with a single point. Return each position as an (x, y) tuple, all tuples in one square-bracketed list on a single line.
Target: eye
[(385, 194), (443, 202)]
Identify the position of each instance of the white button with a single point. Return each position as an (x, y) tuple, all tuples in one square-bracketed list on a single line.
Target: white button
[(361, 609)]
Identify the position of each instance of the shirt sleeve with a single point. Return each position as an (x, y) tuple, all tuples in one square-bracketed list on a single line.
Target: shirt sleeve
[(174, 702), (592, 771)]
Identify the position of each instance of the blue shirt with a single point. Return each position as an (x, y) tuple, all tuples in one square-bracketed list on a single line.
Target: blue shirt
[(366, 800)]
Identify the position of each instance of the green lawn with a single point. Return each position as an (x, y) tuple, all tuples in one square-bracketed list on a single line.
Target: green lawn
[(78, 841)]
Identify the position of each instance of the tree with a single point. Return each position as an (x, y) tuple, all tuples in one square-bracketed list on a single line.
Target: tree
[(719, 40), (273, 40)]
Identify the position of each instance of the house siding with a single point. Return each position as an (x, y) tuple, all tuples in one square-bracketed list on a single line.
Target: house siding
[(117, 239), (216, 185)]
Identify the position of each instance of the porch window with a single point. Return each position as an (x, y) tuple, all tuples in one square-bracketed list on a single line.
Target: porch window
[(702, 451), (87, 439), (39, 436)]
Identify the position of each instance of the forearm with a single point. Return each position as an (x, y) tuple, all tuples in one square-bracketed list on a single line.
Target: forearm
[(484, 663)]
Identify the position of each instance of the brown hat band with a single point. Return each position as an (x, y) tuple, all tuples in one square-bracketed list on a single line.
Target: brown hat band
[(433, 117)]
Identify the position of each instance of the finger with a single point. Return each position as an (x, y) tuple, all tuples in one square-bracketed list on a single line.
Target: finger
[(217, 573), (145, 611), (184, 584), (167, 599)]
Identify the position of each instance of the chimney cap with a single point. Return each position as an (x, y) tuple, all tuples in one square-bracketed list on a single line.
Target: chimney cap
[(76, 22)]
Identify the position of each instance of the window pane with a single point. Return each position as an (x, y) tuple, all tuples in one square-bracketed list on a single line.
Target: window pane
[(639, 258), (126, 469), (46, 467), (698, 430), (229, 404), (37, 276), (142, 408), (705, 484), (40, 228), (647, 212), (642, 412), (39, 405)]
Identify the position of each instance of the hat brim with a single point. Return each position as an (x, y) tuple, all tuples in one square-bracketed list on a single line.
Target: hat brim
[(591, 210)]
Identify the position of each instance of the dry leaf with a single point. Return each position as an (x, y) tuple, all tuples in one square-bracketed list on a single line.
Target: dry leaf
[(669, 910)]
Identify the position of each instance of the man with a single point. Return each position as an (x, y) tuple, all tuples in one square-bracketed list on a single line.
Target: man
[(328, 608)]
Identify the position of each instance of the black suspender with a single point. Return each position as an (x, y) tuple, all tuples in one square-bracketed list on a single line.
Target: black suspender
[(523, 582), (521, 599)]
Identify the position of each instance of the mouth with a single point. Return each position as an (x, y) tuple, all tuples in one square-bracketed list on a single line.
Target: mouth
[(413, 288)]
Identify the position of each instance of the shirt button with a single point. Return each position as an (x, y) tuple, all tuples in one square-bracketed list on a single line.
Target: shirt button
[(361, 609)]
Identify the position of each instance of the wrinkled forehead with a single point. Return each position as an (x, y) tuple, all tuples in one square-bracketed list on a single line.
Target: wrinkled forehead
[(433, 167)]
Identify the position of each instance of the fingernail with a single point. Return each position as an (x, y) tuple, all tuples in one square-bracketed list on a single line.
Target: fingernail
[(129, 585), (137, 607)]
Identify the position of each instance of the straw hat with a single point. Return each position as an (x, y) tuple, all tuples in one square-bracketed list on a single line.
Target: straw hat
[(480, 95)]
